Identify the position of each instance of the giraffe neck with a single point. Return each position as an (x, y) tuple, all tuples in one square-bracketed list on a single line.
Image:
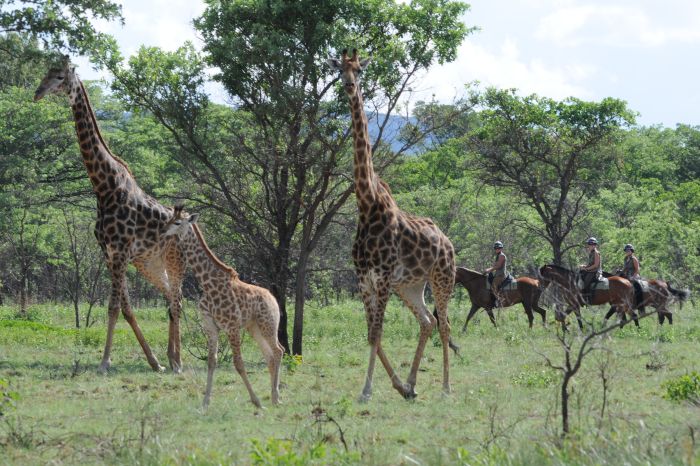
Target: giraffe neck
[(102, 166), (365, 178), (203, 262)]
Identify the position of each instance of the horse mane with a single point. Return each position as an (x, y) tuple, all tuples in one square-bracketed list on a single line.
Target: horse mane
[(559, 268)]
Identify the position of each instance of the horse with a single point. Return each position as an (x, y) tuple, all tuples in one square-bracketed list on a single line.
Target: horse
[(527, 292), (658, 294), (620, 292)]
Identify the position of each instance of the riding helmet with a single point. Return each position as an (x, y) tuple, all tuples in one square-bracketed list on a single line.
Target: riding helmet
[(628, 247), (592, 240), (498, 245)]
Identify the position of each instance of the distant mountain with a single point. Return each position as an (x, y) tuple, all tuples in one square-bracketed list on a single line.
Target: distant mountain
[(391, 131)]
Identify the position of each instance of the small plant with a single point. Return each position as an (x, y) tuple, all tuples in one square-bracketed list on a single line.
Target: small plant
[(8, 398), (281, 452), (683, 388), (533, 378), (292, 362)]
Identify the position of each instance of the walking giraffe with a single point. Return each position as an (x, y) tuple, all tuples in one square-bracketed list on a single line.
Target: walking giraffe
[(393, 250), (229, 304), (128, 222)]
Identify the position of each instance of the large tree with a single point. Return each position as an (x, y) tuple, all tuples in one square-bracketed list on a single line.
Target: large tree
[(554, 154), (277, 168), (60, 25)]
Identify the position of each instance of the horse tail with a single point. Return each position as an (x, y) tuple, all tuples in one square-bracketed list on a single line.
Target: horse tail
[(681, 295)]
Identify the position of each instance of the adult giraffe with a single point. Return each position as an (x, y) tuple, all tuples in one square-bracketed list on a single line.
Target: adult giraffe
[(128, 222), (393, 250)]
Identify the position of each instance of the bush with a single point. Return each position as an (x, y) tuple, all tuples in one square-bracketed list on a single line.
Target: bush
[(683, 388)]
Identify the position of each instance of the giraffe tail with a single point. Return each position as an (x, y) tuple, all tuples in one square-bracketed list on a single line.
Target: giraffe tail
[(452, 345)]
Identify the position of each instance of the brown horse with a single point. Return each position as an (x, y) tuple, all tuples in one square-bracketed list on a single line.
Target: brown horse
[(659, 294), (620, 292), (527, 292)]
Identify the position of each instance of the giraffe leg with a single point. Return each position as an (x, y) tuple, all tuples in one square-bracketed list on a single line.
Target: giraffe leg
[(234, 338), (118, 272), (273, 352), (166, 275), (212, 332), (442, 290), (412, 296), (175, 269), (375, 299), (131, 319)]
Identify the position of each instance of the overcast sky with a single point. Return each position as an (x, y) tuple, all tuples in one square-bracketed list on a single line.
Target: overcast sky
[(646, 52)]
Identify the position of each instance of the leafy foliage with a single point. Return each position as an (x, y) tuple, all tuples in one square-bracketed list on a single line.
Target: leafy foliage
[(683, 388)]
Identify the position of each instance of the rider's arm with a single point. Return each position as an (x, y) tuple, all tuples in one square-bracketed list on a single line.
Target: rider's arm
[(635, 263), (595, 264)]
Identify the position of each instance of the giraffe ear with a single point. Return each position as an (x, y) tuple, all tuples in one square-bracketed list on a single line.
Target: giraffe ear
[(364, 62), (193, 218), (334, 64)]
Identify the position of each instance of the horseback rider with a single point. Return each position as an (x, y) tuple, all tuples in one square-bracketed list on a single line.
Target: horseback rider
[(630, 271), (630, 268), (591, 271), (498, 271)]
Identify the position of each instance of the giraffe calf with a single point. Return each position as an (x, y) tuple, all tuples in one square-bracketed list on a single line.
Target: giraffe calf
[(230, 305)]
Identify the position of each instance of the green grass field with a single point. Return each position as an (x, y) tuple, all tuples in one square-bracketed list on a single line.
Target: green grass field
[(503, 408)]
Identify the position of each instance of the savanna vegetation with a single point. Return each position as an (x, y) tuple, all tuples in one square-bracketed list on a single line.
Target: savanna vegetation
[(271, 175)]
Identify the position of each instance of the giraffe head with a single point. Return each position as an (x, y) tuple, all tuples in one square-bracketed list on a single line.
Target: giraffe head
[(350, 69), (57, 80), (180, 226)]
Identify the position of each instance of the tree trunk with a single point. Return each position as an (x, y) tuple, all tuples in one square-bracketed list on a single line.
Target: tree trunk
[(76, 307), (299, 300), (23, 295), (557, 250), (565, 405)]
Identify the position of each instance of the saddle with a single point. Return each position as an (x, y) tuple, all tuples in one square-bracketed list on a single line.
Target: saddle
[(598, 283), (508, 284)]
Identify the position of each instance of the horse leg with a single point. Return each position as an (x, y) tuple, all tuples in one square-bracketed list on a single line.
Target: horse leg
[(489, 311), (472, 311), (610, 313), (530, 317)]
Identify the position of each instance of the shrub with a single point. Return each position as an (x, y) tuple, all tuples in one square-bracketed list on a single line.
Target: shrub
[(683, 388)]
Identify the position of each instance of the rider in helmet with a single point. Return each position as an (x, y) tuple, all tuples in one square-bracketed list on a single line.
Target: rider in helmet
[(630, 269), (593, 270), (498, 271)]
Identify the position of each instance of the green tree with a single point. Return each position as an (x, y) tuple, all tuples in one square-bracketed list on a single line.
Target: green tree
[(65, 25), (277, 167), (554, 155)]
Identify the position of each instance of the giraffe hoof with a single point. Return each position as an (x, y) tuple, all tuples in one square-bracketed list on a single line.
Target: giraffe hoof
[(364, 398), (158, 368), (104, 367)]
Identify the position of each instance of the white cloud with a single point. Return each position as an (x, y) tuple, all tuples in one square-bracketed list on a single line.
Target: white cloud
[(506, 69), (617, 25)]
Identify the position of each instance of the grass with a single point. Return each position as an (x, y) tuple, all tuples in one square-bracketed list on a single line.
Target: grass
[(502, 410)]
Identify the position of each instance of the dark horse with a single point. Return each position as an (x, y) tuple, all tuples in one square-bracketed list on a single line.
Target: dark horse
[(528, 292), (620, 293), (658, 295)]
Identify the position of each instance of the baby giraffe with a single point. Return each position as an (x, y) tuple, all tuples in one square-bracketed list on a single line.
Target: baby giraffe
[(229, 304)]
